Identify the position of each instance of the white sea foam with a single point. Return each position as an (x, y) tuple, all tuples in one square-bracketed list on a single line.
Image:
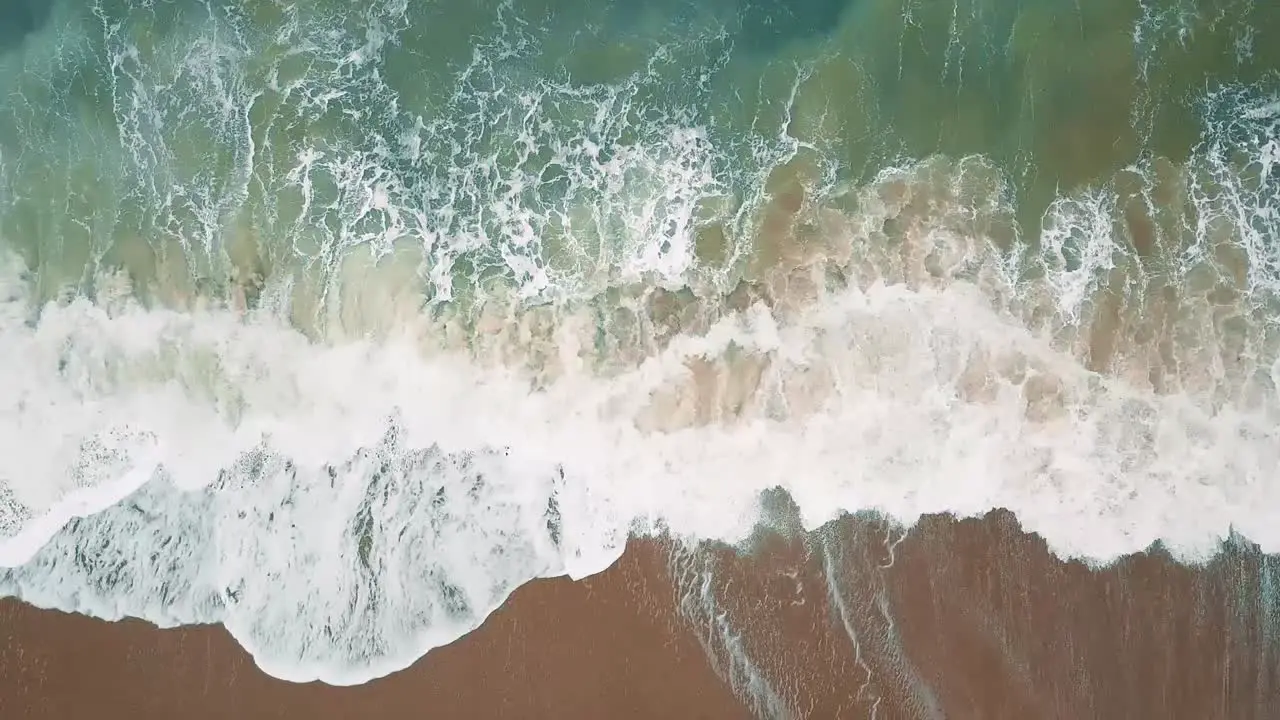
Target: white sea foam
[(342, 509), (343, 505)]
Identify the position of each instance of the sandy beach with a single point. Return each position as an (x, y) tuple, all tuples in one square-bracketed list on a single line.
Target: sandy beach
[(607, 647), (337, 323), (968, 619)]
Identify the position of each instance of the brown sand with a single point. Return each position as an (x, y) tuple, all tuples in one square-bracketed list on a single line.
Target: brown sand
[(602, 648), (976, 619), (968, 619), (1146, 638)]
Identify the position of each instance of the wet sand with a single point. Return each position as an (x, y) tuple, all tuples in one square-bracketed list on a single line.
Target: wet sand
[(603, 648), (959, 619), (977, 619)]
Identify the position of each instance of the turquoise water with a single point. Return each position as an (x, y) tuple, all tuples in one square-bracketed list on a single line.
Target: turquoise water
[(224, 141)]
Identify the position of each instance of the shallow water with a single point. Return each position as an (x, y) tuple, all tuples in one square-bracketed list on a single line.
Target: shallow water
[(336, 326)]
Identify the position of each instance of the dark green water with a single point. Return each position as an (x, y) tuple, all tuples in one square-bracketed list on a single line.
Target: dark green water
[(235, 137)]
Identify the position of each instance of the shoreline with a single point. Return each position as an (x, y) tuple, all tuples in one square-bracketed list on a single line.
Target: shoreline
[(958, 619), (557, 648)]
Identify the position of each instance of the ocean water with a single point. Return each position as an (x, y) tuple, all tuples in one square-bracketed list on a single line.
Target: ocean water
[(337, 323)]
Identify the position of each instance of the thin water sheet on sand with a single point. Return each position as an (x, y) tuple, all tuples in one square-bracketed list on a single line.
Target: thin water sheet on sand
[(956, 619)]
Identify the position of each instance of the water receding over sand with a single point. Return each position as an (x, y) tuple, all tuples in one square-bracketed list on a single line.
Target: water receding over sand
[(338, 327)]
